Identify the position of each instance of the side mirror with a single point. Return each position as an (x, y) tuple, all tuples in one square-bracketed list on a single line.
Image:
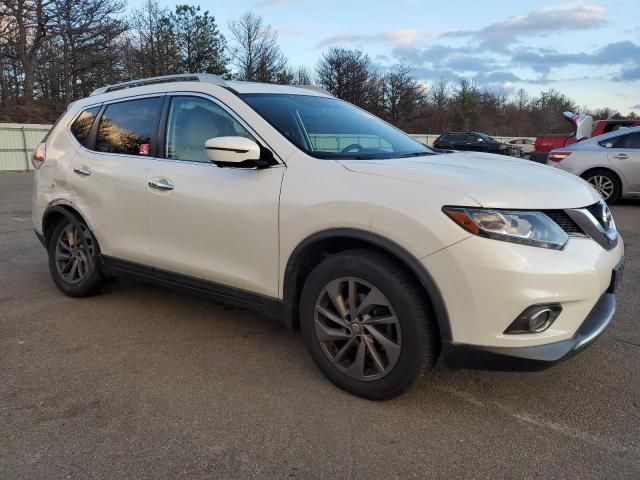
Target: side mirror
[(233, 152)]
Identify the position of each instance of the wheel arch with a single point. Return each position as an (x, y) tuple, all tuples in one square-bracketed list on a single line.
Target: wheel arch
[(52, 216), (318, 246)]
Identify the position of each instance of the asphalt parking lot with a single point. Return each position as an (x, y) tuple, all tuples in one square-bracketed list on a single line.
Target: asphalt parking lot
[(142, 381)]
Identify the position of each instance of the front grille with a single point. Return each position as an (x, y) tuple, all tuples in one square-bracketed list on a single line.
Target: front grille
[(564, 221), (596, 211)]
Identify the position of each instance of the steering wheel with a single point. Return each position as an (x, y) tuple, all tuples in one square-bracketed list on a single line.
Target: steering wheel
[(354, 147)]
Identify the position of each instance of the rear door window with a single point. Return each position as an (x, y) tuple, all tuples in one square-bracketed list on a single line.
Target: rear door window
[(81, 127), (128, 127), (631, 141)]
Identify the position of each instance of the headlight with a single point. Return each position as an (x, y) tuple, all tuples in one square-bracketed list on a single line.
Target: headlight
[(523, 227)]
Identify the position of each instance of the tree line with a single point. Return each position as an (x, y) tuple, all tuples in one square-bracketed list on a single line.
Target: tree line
[(53, 52)]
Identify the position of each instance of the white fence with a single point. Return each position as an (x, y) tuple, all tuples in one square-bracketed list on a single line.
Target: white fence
[(17, 142)]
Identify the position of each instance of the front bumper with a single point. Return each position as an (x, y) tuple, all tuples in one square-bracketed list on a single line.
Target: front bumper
[(538, 357), (486, 284)]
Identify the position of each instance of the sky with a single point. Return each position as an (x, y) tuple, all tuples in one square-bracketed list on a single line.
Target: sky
[(588, 50)]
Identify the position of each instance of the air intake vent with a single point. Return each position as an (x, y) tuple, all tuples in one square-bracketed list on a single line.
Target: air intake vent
[(564, 221)]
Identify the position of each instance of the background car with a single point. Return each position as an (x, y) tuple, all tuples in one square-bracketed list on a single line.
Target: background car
[(583, 127), (474, 142), (610, 162), (525, 145)]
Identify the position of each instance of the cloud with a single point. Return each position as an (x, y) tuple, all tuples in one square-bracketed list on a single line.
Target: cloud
[(497, 77), (631, 74), (404, 38), (497, 81), (499, 35), (456, 58), (470, 63), (618, 53), (544, 21), (635, 107), (427, 73)]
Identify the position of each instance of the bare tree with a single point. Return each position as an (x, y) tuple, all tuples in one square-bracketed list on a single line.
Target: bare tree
[(26, 31), (438, 98), (200, 44), (302, 76), (547, 111), (151, 48), (346, 74), (255, 51), (84, 31), (404, 97), (465, 102)]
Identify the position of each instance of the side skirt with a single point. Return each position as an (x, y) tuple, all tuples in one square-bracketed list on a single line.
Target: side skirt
[(269, 306)]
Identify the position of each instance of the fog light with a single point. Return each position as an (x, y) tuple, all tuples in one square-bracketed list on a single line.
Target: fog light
[(541, 320), (535, 319)]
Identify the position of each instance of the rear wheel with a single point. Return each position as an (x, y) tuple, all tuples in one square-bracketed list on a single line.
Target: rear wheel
[(73, 259), (365, 324), (606, 183)]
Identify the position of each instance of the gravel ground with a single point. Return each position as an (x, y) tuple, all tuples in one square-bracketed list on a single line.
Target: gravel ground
[(147, 382)]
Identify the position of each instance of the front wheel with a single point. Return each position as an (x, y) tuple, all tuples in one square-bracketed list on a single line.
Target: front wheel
[(73, 259), (366, 325)]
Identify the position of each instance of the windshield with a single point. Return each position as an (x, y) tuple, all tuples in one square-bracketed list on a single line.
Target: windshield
[(487, 138), (332, 129)]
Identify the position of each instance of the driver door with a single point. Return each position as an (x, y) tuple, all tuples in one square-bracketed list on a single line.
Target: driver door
[(205, 222)]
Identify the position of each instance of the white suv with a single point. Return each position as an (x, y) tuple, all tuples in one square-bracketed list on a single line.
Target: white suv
[(299, 205)]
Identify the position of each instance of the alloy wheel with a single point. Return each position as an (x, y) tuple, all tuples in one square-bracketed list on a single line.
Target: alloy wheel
[(357, 328), (73, 263), (604, 185)]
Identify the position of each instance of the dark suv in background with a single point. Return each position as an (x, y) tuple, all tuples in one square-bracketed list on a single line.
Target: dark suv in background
[(471, 141)]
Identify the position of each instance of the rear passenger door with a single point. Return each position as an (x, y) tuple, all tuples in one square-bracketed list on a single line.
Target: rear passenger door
[(456, 142), (108, 175), (206, 222), (624, 154), (464, 142)]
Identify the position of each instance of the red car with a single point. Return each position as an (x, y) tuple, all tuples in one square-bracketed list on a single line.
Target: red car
[(583, 127)]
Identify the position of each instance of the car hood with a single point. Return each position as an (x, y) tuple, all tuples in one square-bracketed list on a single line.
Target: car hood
[(493, 181)]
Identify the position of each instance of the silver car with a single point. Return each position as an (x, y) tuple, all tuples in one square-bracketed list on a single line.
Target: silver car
[(610, 162)]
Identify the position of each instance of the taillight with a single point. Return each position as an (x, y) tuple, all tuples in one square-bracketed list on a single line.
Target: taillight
[(558, 156), (39, 156)]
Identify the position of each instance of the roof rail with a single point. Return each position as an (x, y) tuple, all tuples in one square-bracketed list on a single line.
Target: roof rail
[(314, 88), (183, 77)]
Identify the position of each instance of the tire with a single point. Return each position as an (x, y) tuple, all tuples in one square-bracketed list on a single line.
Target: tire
[(66, 246), (411, 342), (606, 182)]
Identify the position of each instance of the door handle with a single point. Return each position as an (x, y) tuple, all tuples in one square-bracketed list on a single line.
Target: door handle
[(82, 170), (621, 156), (161, 184)]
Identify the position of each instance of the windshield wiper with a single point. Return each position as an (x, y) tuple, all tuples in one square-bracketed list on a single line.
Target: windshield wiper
[(414, 154)]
